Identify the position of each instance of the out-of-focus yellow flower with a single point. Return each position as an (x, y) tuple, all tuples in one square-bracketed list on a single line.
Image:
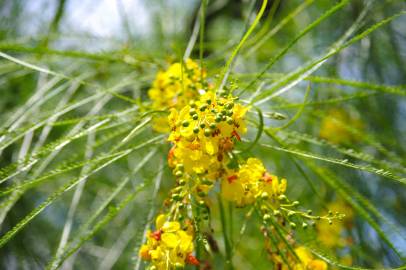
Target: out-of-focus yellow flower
[(169, 246), (331, 236), (174, 88), (307, 261), (332, 127), (203, 132), (250, 181)]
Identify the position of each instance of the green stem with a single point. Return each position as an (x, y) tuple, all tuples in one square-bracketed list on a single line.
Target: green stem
[(229, 264), (237, 49), (201, 41)]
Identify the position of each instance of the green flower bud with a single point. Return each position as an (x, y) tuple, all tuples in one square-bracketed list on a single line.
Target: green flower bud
[(179, 266), (265, 195), (176, 197), (229, 105), (282, 197), (201, 203), (182, 182), (185, 123), (201, 194), (192, 111), (206, 182)]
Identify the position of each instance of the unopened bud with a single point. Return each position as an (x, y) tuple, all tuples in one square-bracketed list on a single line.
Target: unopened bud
[(265, 195)]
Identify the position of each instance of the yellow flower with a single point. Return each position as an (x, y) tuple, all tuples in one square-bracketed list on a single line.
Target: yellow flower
[(307, 262), (250, 181), (169, 246), (317, 265), (203, 132), (333, 129), (331, 236), (174, 88)]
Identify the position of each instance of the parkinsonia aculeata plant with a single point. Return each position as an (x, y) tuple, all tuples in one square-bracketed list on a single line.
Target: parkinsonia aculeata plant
[(204, 128)]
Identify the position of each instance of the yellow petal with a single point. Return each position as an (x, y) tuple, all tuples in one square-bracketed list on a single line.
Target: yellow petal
[(160, 220), (170, 240), (317, 265), (171, 226)]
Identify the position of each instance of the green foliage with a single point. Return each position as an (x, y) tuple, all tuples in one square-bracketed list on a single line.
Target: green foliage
[(79, 181)]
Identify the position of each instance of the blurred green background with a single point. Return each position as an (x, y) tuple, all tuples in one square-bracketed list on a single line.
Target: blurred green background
[(73, 78)]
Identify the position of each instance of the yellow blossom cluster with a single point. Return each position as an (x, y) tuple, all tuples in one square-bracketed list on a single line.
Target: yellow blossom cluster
[(174, 88), (251, 181), (303, 260), (203, 129), (203, 133), (307, 261), (332, 235), (333, 127), (169, 246)]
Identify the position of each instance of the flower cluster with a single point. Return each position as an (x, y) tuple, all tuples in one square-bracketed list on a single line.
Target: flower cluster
[(307, 261), (203, 134), (251, 181), (174, 88), (332, 235), (333, 127), (301, 260), (203, 130), (169, 246)]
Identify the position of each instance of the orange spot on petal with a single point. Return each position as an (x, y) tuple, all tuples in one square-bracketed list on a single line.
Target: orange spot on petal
[(235, 134), (232, 178), (267, 177), (190, 259), (156, 235)]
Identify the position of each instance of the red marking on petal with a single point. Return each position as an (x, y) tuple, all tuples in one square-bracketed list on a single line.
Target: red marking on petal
[(267, 177), (235, 134), (190, 259), (171, 153), (156, 235), (232, 178)]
